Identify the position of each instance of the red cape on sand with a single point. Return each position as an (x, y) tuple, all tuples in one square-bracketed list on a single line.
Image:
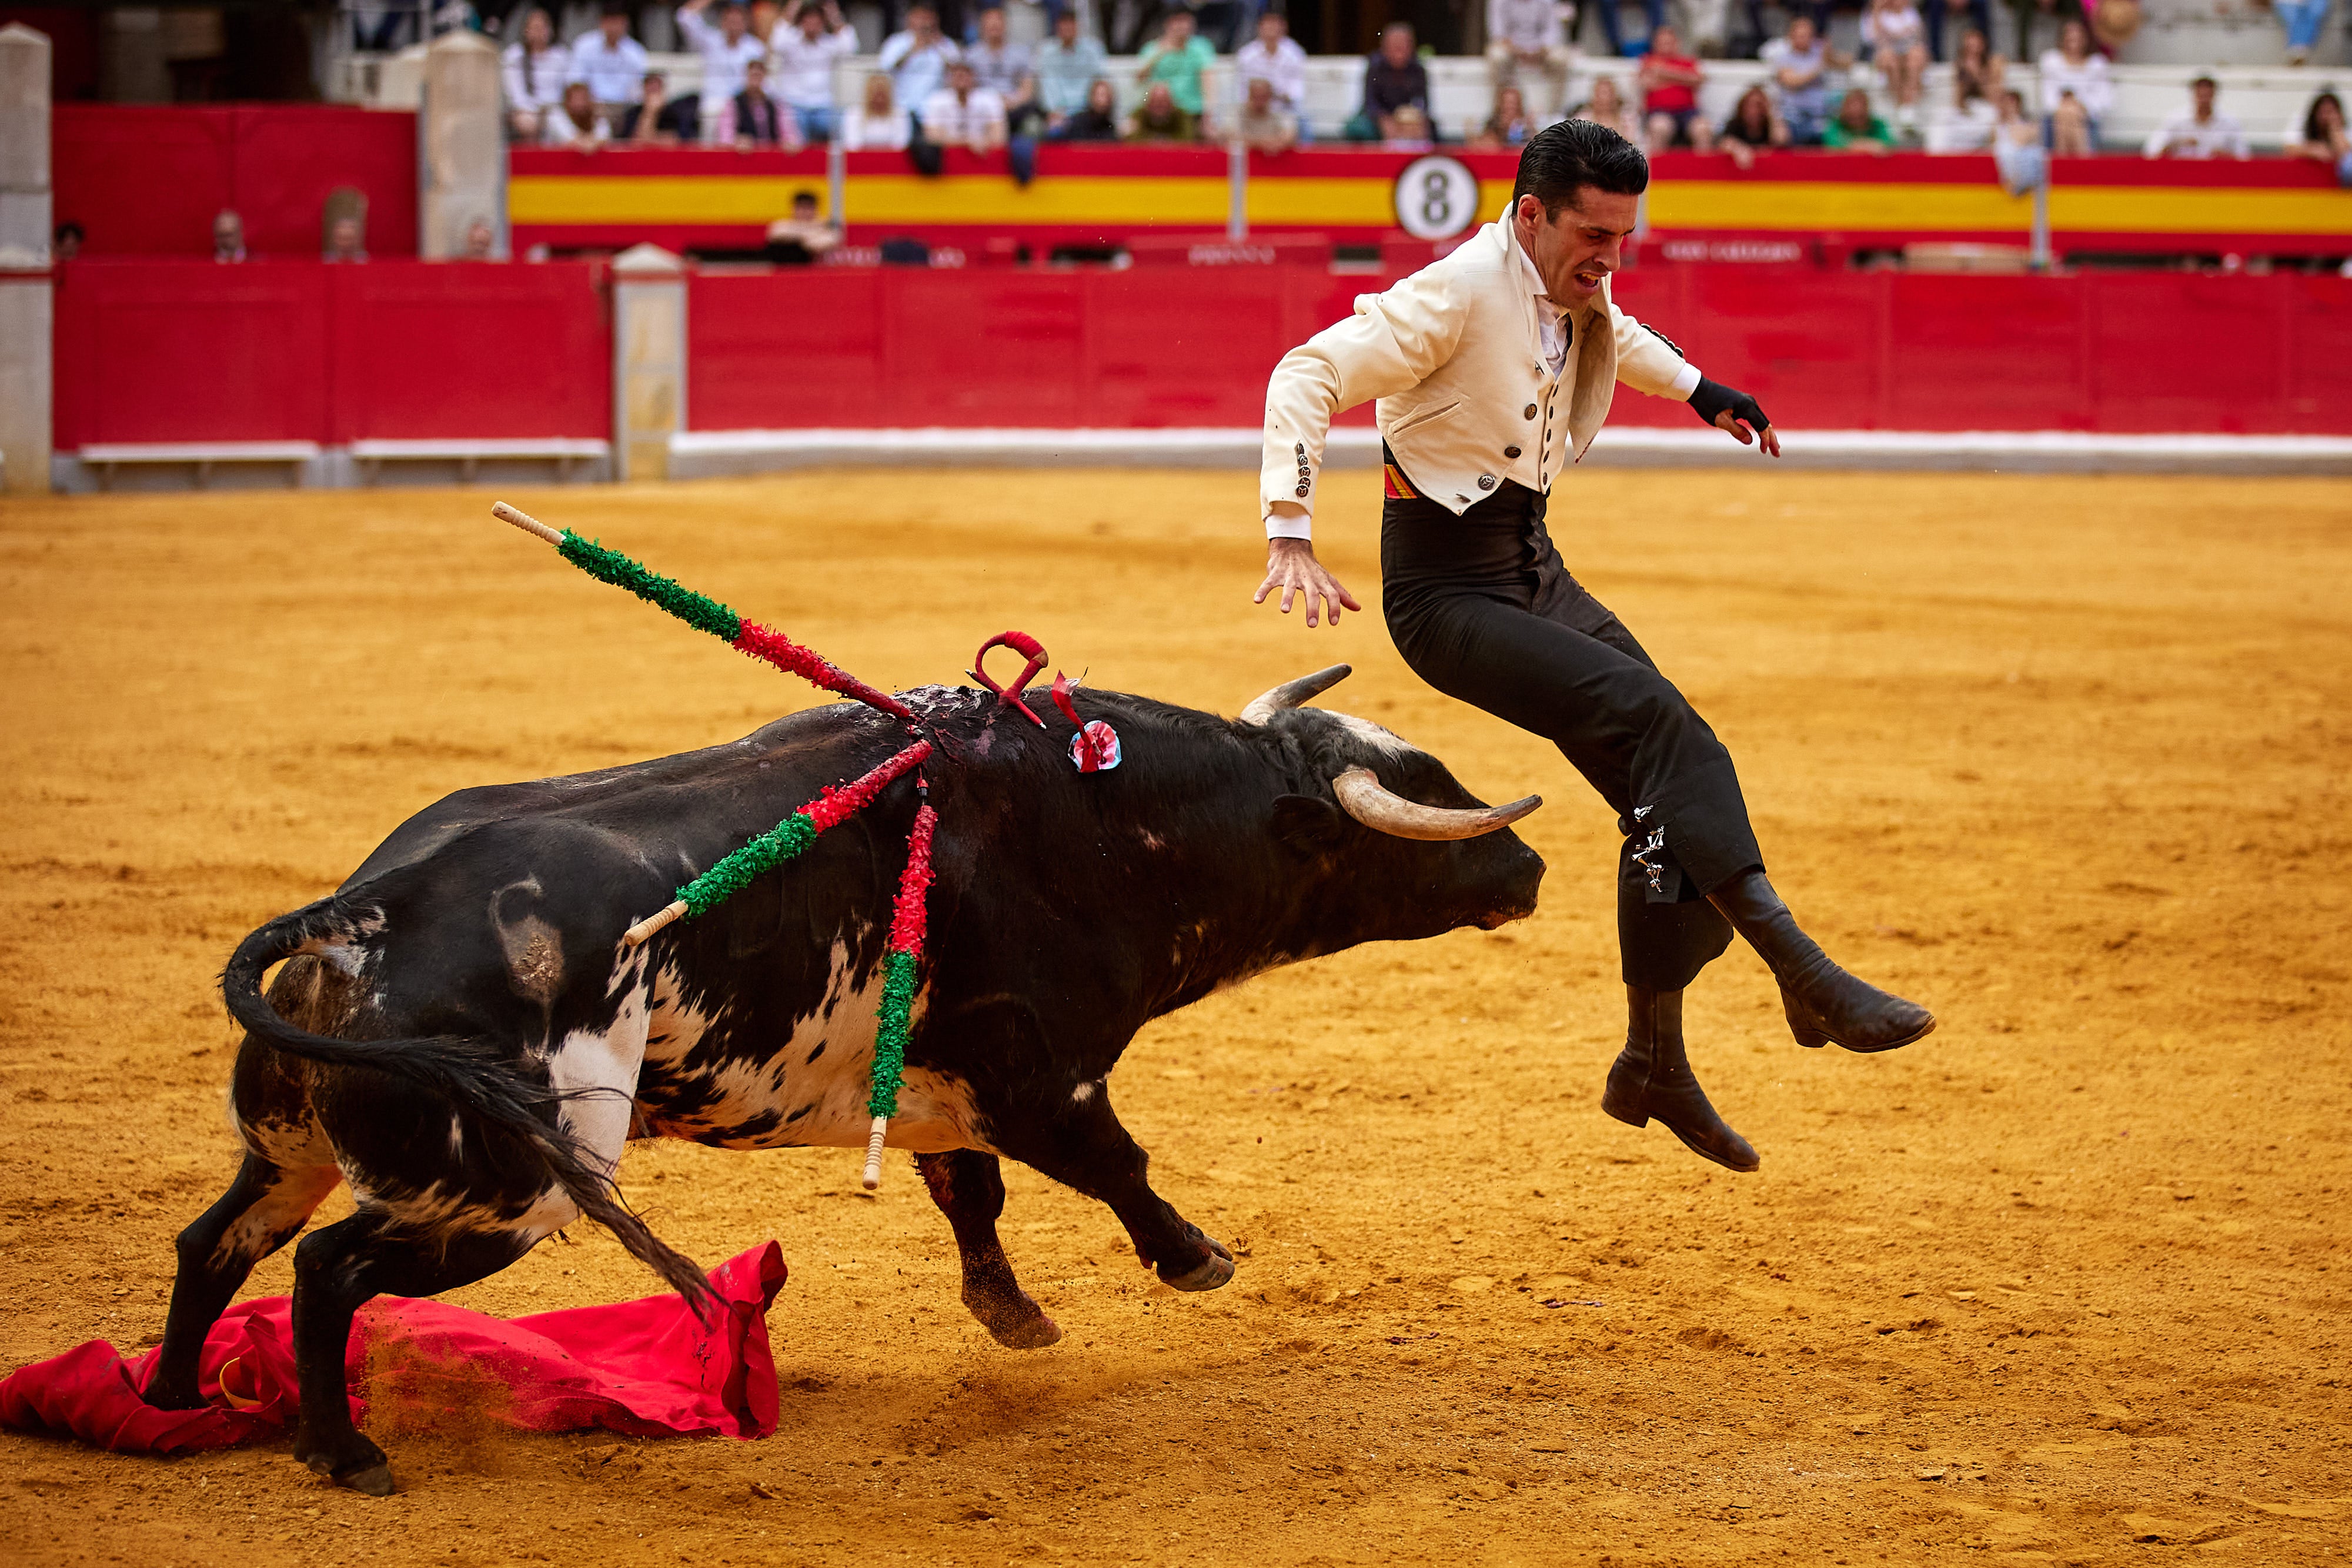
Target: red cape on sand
[(646, 1368)]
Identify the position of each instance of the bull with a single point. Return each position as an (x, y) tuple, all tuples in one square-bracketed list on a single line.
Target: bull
[(459, 1032)]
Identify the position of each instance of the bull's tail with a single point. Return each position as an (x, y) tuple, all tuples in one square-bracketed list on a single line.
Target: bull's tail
[(470, 1074)]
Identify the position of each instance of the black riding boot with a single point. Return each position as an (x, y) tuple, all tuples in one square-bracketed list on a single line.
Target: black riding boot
[(1651, 1077), (1823, 1002)]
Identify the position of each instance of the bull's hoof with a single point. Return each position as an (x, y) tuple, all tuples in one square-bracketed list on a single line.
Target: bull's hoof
[(362, 1467), (172, 1399), (1012, 1319), (1210, 1272), (1031, 1333)]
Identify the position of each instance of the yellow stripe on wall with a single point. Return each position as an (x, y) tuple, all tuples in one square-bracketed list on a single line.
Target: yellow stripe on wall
[(871, 199), (1803, 204), (2140, 209)]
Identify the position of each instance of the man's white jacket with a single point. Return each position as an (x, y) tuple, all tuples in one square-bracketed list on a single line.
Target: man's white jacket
[(1455, 355)]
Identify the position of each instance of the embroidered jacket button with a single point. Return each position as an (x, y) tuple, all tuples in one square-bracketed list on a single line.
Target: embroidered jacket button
[(1485, 481), (1302, 492)]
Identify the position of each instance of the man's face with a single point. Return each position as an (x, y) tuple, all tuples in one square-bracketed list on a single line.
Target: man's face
[(1066, 28), (755, 77), (1664, 42), (1800, 34), (1180, 28), (811, 21), (1270, 28), (1396, 45), (730, 23), (613, 28), (1577, 250), (804, 209), (922, 21), (960, 78), (992, 29), (2203, 92)]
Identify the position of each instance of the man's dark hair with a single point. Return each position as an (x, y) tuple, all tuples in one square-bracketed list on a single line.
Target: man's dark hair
[(1560, 159)]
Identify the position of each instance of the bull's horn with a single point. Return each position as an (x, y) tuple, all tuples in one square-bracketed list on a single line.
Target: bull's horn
[(1362, 797), (1290, 693)]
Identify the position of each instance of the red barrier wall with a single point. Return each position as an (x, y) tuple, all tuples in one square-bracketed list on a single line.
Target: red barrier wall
[(174, 350), (147, 181), (2115, 353)]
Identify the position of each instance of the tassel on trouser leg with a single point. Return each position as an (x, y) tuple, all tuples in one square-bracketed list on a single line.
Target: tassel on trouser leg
[(1823, 1002), (1652, 1078)]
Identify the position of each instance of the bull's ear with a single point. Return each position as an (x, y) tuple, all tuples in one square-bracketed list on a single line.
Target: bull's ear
[(1307, 823)]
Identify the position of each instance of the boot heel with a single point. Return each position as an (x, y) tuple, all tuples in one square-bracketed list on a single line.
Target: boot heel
[(1625, 1113), (1806, 1034)]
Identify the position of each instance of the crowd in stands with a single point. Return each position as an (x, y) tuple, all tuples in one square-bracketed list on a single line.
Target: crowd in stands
[(979, 90)]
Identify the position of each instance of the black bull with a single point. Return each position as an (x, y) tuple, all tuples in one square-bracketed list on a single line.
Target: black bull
[(461, 1033)]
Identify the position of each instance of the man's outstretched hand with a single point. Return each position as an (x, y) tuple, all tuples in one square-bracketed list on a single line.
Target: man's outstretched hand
[(1291, 565), (1731, 410)]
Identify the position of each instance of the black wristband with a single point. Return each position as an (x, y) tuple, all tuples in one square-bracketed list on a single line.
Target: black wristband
[(1711, 398)]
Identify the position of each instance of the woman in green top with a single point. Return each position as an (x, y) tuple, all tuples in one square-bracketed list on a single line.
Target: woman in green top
[(1178, 58), (1855, 128)]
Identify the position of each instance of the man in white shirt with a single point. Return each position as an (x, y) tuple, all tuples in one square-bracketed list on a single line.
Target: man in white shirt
[(1494, 369), (1002, 68), (2199, 133), (1274, 56), (1531, 36), (725, 50), (917, 59), (609, 61), (806, 50), (963, 113)]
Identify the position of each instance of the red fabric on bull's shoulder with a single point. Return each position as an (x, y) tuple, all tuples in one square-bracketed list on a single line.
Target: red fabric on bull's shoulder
[(643, 1368)]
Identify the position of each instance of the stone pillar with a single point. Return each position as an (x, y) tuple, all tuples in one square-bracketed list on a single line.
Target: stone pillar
[(27, 297), (461, 158), (648, 360)]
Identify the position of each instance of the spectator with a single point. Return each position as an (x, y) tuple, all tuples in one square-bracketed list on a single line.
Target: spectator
[(577, 122), (2069, 130), (609, 62), (1754, 127), (803, 237), (1508, 128), (1097, 121), (1801, 65), (346, 239), (1897, 36), (1607, 106), (2198, 131), (658, 120), (1529, 36), (806, 53), (2323, 137), (66, 243), (1939, 12), (2071, 69), (1966, 123), (963, 113), (482, 242), (2017, 147), (1978, 67), (917, 59), (1177, 57), (725, 50), (1003, 69), (1856, 128), (1275, 56), (877, 124), (752, 118), (1669, 80), (2302, 19), (1394, 80), (1067, 67), (1264, 125), (1612, 25), (1159, 117), (536, 68), (228, 235)]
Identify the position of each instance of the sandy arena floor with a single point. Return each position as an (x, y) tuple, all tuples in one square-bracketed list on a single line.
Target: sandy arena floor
[(2066, 1282)]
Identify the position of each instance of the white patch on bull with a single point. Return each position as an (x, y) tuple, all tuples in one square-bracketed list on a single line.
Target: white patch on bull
[(345, 956), (818, 1103), (1386, 742), (598, 1072), (457, 1136), (1083, 1093), (534, 948), (1150, 840)]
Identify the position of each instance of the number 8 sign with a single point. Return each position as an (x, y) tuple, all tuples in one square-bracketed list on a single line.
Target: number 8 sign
[(1436, 197)]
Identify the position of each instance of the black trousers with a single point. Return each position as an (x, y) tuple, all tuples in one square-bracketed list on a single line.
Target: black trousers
[(1483, 608)]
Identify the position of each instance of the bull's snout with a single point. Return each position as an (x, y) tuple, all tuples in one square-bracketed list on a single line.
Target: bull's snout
[(1516, 896)]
